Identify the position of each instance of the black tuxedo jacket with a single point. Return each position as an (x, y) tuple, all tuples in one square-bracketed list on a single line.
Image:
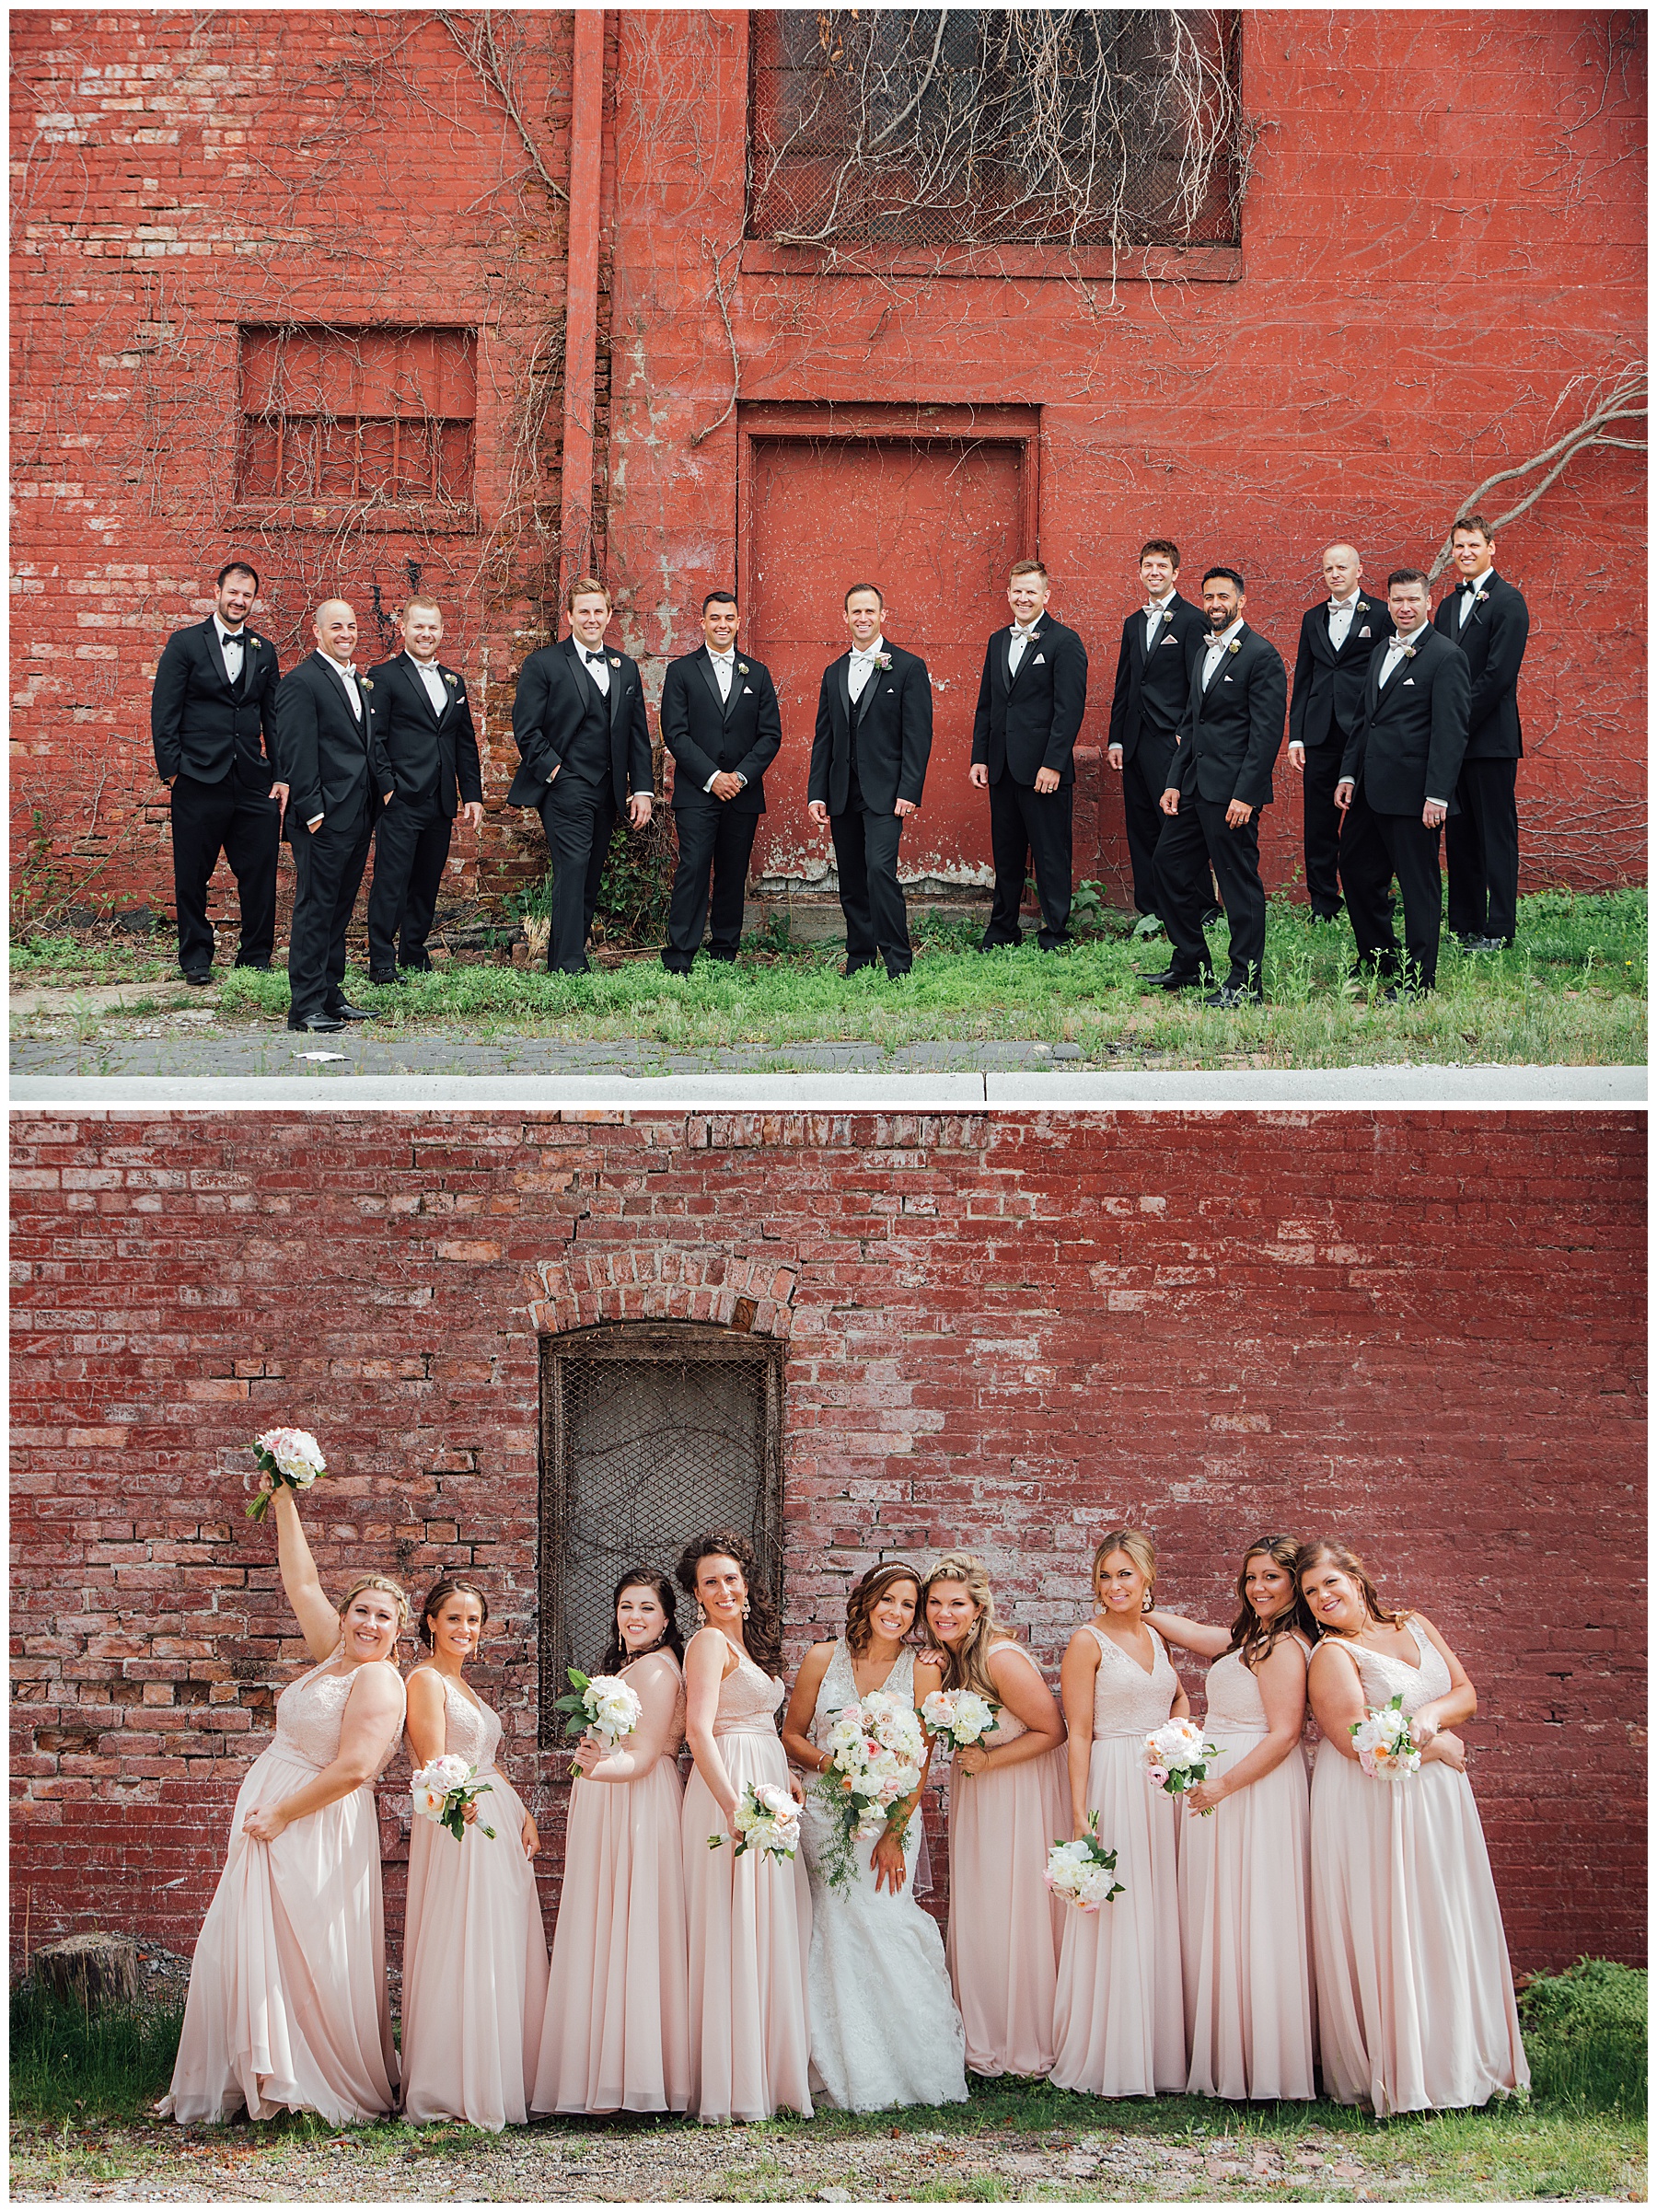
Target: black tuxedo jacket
[(894, 734), (199, 721), (1328, 700), (1030, 721), (1152, 689), (554, 692), (429, 755), (1410, 746), (707, 735), (1493, 639), (1233, 731), (331, 762)]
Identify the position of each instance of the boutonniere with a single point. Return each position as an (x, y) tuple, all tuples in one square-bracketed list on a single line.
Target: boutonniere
[(254, 639), (1167, 614), (1479, 597), (614, 662), (883, 660), (1235, 645), (1410, 652), (1364, 607), (743, 668), (365, 684), (448, 679)]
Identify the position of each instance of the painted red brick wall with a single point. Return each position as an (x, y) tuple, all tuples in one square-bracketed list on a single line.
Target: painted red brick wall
[(1443, 248), (1426, 1332)]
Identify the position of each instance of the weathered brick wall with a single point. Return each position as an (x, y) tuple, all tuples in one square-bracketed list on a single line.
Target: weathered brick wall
[(1426, 1332)]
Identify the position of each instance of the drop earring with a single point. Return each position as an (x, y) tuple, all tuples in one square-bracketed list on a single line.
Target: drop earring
[(701, 1618), (745, 1608)]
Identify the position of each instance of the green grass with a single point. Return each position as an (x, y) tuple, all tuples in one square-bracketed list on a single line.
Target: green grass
[(1585, 2037), (65, 2065), (91, 957)]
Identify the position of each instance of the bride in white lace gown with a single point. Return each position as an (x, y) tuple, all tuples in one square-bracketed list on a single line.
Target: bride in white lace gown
[(884, 2026)]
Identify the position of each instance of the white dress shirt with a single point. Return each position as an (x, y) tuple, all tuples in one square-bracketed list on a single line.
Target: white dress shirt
[(1216, 648), (1395, 660), (230, 645), (1465, 610), (863, 667), (1016, 646), (346, 672), (597, 665), (431, 676), (1154, 610), (1340, 617), (724, 667)]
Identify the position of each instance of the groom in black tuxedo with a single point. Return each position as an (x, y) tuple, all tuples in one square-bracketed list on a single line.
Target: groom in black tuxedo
[(329, 757), (1031, 699), (1487, 617), (1220, 780), (721, 723), (213, 722), (1160, 643), (1398, 786), (584, 745), (1337, 641), (423, 721), (868, 764)]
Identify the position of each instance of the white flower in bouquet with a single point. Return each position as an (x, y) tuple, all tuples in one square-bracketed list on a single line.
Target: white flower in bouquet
[(443, 1789), (1081, 1871), (599, 1704), (960, 1717), (1386, 1750), (1177, 1758), (289, 1458), (767, 1820)]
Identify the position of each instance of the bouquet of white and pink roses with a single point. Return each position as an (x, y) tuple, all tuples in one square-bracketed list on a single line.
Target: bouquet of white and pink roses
[(1386, 1750), (767, 1820), (599, 1704), (1177, 1758), (291, 1458), (1082, 1870), (960, 1717), (878, 1755), (444, 1789)]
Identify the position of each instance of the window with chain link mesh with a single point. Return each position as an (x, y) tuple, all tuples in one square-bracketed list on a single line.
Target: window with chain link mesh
[(651, 1433), (960, 127)]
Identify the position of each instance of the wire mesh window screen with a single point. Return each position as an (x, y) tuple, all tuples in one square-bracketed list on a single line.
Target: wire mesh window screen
[(355, 416), (950, 127), (649, 1435)]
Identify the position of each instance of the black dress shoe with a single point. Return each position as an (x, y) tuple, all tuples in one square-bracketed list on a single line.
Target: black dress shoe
[(1210, 915), (345, 1012), (325, 1024), (1176, 979), (1234, 994), (384, 976), (259, 967), (198, 976)]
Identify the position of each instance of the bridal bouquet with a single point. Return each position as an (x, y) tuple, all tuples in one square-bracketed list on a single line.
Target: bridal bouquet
[(290, 1457), (599, 1704), (767, 1820), (1387, 1751), (444, 1789), (960, 1717), (1082, 1871), (1177, 1758), (878, 1755)]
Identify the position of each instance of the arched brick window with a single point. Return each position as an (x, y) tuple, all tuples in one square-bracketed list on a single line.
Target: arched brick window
[(650, 1431)]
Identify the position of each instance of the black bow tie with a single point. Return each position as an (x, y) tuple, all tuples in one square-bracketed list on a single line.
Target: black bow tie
[(1471, 584), (227, 637), (592, 660)]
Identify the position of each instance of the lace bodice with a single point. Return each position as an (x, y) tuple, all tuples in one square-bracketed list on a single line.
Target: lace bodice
[(1384, 1678), (310, 1714), (1233, 1695), (470, 1732), (675, 1734), (1128, 1701), (838, 1687), (748, 1698)]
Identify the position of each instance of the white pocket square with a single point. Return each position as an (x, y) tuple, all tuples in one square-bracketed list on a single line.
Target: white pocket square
[(1409, 682), (1040, 661), (1364, 631), (1225, 679), (1170, 641), (748, 690)]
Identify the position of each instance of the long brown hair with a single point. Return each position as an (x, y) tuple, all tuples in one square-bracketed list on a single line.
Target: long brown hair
[(966, 1665), (445, 1587), (866, 1593), (1340, 1552), (1251, 1638), (616, 1654), (762, 1627)]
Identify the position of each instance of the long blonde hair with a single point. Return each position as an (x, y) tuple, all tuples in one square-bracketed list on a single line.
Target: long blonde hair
[(405, 1612), (1140, 1549), (966, 1664)]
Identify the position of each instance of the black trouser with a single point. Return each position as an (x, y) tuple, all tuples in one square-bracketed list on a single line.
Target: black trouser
[(1375, 847), (1321, 822), (1028, 825), (578, 818), (328, 863), (1481, 850), (411, 845), (710, 838), (1144, 779), (238, 818), (1197, 834), (865, 854)]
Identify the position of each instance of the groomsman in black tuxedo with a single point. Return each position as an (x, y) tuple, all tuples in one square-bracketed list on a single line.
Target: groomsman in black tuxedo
[(578, 721), (1160, 644), (1489, 620), (1031, 699), (868, 764), (1338, 639), (1219, 779), (721, 723), (213, 722), (1398, 784), (329, 757), (423, 722)]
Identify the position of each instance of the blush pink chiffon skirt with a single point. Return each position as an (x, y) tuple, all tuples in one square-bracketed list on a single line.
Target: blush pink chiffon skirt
[(1005, 1923)]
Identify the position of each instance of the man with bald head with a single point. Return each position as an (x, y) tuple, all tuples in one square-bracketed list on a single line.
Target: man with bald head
[(330, 758), (1338, 637)]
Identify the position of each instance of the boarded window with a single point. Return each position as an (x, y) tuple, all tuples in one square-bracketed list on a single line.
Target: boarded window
[(650, 1434), (961, 127), (354, 418)]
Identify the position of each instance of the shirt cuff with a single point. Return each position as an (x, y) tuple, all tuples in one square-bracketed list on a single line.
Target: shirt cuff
[(1433, 801), (711, 781)]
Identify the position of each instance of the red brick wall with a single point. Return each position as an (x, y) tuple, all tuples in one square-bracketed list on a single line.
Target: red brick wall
[(1426, 1332)]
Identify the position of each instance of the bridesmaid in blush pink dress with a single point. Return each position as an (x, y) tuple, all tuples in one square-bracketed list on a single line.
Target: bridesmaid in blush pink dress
[(617, 2032), (474, 1950), (288, 2006), (749, 1918), (1415, 1993), (1008, 1803), (1118, 2010), (1243, 1871)]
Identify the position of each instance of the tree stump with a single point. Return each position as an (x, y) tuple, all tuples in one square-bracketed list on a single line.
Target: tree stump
[(91, 1971)]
